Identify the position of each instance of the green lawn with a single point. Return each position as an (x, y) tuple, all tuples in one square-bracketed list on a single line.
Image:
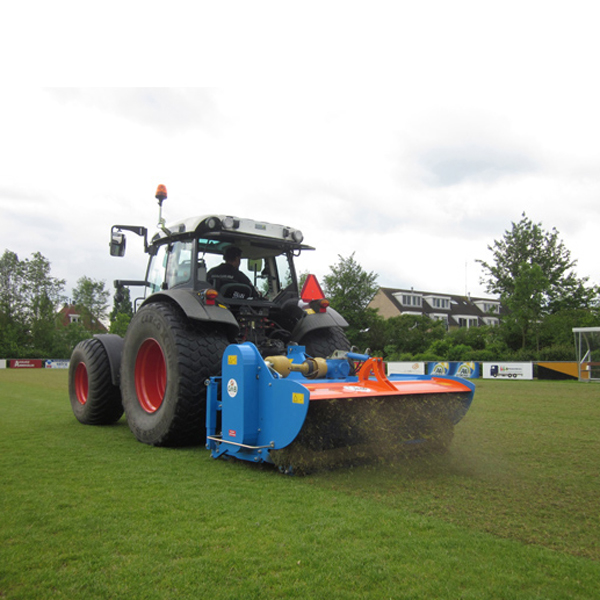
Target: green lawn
[(512, 512)]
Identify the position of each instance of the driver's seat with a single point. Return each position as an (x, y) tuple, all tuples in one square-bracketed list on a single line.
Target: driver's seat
[(235, 290)]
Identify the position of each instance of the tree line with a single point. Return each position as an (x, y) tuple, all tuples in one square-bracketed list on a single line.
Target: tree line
[(531, 271), (30, 298)]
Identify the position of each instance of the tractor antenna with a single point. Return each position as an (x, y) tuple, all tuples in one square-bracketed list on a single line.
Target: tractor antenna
[(161, 196)]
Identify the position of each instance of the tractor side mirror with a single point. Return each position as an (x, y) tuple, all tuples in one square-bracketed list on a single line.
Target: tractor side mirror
[(117, 244), (255, 264)]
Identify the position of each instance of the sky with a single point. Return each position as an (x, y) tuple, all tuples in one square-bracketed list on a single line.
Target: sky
[(410, 135)]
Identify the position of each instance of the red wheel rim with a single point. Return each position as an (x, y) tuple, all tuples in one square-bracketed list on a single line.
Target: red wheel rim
[(81, 383), (150, 375)]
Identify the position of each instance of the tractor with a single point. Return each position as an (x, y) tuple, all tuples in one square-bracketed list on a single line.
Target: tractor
[(222, 296)]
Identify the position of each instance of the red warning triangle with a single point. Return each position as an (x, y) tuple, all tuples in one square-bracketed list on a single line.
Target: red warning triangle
[(311, 290)]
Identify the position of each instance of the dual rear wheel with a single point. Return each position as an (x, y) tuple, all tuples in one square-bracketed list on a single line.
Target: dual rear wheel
[(165, 362), (95, 399)]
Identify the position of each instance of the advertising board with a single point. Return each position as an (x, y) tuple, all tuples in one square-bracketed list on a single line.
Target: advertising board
[(56, 364), (406, 368), (468, 370), (507, 370), (25, 363)]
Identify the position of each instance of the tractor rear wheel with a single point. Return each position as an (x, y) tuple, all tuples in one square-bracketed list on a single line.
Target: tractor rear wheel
[(323, 342), (166, 361), (94, 398)]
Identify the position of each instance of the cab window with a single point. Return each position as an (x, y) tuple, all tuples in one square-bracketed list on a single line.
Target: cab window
[(156, 269), (179, 264)]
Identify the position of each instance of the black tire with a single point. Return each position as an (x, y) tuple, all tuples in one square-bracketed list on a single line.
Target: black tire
[(94, 398), (323, 342), (166, 360)]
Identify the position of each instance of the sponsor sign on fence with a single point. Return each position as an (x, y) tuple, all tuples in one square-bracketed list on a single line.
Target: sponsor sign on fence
[(56, 364), (507, 370), (469, 370), (34, 363), (406, 368), (25, 363)]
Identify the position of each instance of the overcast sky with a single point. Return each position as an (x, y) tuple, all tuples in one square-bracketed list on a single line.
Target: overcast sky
[(412, 137)]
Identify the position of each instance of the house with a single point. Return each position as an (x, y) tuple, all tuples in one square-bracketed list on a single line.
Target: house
[(455, 311), (70, 313)]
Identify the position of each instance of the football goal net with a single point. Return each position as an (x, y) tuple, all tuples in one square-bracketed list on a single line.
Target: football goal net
[(587, 346)]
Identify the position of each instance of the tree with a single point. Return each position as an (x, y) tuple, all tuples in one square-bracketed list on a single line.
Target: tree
[(122, 311), (13, 327), (29, 297), (527, 243), (525, 305), (534, 275), (350, 288), (44, 293), (410, 335), (12, 275), (43, 296), (92, 299)]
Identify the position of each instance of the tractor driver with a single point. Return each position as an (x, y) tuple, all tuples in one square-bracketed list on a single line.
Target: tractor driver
[(229, 272)]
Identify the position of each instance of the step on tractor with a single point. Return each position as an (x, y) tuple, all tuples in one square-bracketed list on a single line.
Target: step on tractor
[(226, 350)]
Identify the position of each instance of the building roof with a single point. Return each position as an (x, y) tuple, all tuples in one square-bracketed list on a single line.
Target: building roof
[(70, 313), (394, 302)]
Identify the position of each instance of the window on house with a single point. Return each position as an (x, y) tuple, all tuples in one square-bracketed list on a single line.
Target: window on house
[(441, 303), (488, 307), (411, 300), (436, 317), (467, 322)]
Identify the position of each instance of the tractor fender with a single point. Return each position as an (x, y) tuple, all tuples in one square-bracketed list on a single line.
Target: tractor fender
[(189, 301), (310, 322), (113, 345)]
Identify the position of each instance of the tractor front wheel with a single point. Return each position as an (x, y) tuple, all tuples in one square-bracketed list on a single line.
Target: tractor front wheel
[(94, 398), (166, 361)]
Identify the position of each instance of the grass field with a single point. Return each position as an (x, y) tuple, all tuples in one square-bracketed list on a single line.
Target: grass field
[(512, 512)]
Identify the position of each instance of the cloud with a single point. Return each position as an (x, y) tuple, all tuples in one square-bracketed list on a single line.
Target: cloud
[(450, 165), (170, 110), (11, 197), (418, 190)]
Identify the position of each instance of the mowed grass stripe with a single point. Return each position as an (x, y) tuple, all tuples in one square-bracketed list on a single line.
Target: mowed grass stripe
[(88, 512), (525, 465)]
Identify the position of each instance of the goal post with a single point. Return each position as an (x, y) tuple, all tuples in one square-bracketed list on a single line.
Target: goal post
[(587, 346)]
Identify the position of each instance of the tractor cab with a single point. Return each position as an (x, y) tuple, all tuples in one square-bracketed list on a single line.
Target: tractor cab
[(262, 298), (186, 261)]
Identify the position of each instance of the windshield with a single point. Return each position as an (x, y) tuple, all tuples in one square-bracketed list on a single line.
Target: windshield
[(268, 276), (178, 265)]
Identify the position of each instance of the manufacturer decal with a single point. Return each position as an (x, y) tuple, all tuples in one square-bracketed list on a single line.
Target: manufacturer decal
[(232, 433), (232, 388)]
